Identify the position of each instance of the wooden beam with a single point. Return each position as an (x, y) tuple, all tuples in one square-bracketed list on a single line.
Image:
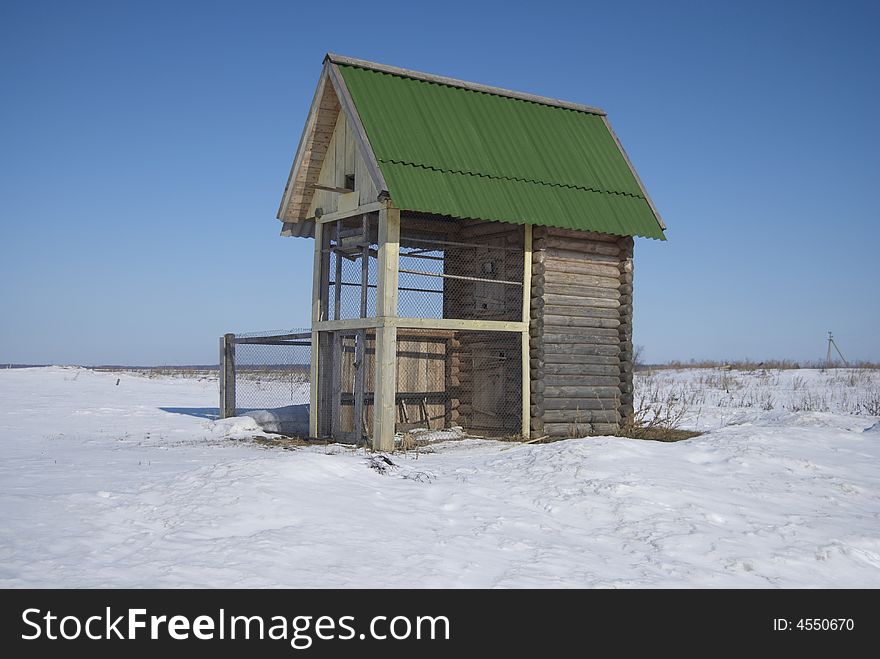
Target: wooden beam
[(227, 376), (372, 207), (318, 276), (464, 84), (384, 406), (349, 324), (329, 188), (524, 337), (441, 275), (386, 336), (360, 135), (456, 324), (337, 277), (388, 262)]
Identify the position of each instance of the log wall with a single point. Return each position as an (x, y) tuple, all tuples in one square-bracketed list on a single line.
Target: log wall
[(580, 332)]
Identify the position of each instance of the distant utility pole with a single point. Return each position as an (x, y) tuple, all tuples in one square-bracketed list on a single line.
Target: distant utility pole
[(832, 342)]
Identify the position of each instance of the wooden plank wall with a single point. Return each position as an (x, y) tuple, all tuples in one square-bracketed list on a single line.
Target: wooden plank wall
[(424, 378), (580, 332), (343, 158)]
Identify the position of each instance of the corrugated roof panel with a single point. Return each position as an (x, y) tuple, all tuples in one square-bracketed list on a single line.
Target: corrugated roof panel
[(538, 164), (482, 197)]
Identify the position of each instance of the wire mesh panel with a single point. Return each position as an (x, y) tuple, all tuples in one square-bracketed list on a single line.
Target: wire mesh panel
[(352, 268), (272, 374), (462, 270), (466, 382), (469, 381)]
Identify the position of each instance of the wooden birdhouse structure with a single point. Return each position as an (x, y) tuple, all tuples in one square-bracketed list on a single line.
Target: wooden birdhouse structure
[(473, 258)]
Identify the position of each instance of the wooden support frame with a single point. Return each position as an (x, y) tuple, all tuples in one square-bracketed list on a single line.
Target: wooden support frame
[(524, 346), (227, 376), (320, 279), (372, 207), (385, 388)]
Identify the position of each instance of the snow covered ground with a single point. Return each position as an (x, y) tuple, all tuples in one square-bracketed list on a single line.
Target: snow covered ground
[(134, 484)]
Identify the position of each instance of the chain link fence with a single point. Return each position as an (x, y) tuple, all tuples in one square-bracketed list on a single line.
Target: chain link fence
[(266, 375), (449, 384), (463, 271)]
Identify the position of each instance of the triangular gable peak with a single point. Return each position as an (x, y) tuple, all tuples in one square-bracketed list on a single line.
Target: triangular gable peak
[(333, 160)]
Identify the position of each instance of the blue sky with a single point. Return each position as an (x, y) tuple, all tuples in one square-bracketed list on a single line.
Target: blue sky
[(144, 147)]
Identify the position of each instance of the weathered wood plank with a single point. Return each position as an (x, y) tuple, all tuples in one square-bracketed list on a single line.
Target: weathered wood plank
[(598, 392), (575, 234), (582, 380), (581, 349), (557, 370), (554, 299), (580, 292), (581, 416), (584, 248), (554, 253)]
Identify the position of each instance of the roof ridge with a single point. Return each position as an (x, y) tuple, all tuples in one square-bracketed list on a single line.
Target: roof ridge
[(496, 177), (463, 84)]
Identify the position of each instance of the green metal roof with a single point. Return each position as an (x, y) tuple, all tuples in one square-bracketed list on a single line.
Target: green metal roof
[(454, 151)]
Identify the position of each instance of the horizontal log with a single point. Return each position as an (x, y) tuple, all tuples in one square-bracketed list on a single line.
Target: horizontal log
[(554, 253), (582, 235), (573, 391), (567, 429), (579, 404), (581, 349), (582, 380), (538, 329), (574, 312), (575, 279), (580, 369), (555, 299), (581, 416), (536, 424), (579, 267), (575, 341), (552, 320), (586, 335), (554, 358), (577, 291), (581, 246)]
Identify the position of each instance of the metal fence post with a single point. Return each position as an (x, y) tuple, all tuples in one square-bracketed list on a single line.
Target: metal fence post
[(227, 376)]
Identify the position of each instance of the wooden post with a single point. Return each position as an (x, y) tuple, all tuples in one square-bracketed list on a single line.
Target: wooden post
[(524, 349), (319, 296), (388, 263), (386, 335), (337, 277), (227, 376), (361, 335), (384, 409)]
